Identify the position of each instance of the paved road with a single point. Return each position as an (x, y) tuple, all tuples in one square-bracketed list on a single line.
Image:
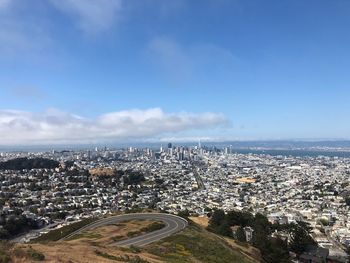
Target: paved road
[(199, 179), (173, 224)]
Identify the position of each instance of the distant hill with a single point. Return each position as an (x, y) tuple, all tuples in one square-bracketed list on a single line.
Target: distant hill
[(25, 163)]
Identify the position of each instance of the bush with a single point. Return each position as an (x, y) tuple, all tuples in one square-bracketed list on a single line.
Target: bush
[(125, 258), (4, 247), (4, 258), (35, 255), (105, 255), (153, 227)]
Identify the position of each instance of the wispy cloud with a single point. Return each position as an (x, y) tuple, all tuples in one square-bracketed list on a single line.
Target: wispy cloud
[(4, 4), (25, 28), (183, 62), (55, 127), (172, 57), (21, 32), (91, 16)]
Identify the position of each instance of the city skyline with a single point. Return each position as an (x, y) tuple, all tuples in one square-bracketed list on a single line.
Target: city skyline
[(77, 72)]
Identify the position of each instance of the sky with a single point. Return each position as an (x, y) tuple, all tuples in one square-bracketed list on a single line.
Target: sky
[(87, 71)]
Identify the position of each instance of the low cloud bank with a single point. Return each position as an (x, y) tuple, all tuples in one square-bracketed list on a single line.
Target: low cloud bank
[(57, 127)]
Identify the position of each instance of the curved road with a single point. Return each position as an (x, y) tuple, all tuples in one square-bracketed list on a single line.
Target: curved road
[(173, 224)]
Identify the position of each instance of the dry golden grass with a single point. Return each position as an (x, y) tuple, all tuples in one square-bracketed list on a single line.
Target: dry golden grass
[(202, 221), (102, 171), (246, 180), (106, 235), (81, 253), (82, 248), (249, 251)]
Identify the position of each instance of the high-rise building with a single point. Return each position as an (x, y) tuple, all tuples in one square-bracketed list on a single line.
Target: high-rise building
[(170, 148)]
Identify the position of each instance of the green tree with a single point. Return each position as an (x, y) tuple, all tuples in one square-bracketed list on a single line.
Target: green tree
[(239, 218), (300, 238), (184, 213), (217, 218), (277, 251), (347, 200), (224, 230), (260, 238), (240, 234)]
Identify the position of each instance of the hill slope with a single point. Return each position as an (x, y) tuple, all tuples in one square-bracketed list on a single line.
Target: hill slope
[(194, 244)]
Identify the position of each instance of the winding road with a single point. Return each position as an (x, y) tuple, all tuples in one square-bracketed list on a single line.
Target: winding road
[(173, 224)]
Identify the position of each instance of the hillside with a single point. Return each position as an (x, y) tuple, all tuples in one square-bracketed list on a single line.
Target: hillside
[(194, 244)]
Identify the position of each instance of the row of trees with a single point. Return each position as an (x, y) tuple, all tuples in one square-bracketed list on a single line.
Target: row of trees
[(15, 225), (133, 177), (273, 249), (130, 177), (25, 163)]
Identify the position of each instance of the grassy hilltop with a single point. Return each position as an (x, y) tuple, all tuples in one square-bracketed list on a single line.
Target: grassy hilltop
[(194, 244)]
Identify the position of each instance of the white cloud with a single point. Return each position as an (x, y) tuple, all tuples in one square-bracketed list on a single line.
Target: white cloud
[(91, 15), (57, 127)]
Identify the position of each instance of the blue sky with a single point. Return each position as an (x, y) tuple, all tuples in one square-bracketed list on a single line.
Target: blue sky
[(173, 70)]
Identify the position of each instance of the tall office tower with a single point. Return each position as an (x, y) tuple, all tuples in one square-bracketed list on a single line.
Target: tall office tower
[(199, 144), (161, 148), (226, 150), (170, 148)]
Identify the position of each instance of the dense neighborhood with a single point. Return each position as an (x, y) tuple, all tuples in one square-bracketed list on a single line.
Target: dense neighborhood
[(41, 191)]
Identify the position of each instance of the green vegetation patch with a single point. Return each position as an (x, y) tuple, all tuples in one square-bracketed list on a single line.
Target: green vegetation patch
[(8, 251), (147, 229), (25, 163), (117, 238), (124, 258), (131, 249), (57, 234), (4, 249), (35, 255), (89, 235), (133, 233), (153, 227), (106, 255), (196, 245)]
